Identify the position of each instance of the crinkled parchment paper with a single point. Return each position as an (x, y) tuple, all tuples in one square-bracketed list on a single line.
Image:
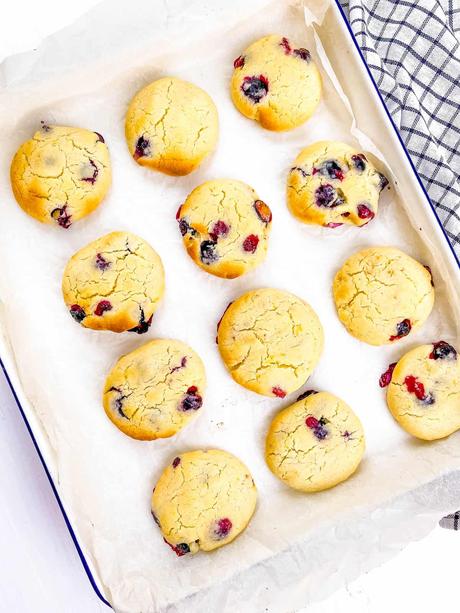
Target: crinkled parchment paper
[(298, 547)]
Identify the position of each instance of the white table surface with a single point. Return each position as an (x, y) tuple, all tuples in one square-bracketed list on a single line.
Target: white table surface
[(40, 570)]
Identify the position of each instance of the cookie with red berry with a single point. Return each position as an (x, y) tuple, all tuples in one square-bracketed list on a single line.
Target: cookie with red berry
[(155, 390), (225, 227), (424, 391), (114, 283), (315, 443), (276, 82), (203, 500), (331, 184)]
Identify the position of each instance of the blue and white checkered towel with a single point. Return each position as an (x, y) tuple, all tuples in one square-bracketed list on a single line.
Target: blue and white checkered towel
[(412, 48)]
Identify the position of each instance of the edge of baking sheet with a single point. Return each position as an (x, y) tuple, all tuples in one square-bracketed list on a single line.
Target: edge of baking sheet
[(86, 565)]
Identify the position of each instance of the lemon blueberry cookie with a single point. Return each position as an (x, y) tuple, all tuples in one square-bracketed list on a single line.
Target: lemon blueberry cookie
[(424, 391), (315, 443), (155, 390), (270, 341), (114, 283), (331, 184), (225, 227), (276, 83), (203, 500), (171, 126), (61, 174), (381, 294)]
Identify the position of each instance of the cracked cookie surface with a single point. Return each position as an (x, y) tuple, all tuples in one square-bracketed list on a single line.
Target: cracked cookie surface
[(61, 174), (381, 294), (114, 283), (331, 184), (424, 393), (155, 390), (203, 500), (171, 126), (225, 227), (270, 341), (315, 443), (276, 83)]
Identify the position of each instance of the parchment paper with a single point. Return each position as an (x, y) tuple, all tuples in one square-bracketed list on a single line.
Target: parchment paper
[(298, 547)]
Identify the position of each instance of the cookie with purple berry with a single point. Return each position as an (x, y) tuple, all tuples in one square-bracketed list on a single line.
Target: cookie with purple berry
[(115, 283), (270, 341), (61, 174), (276, 82), (315, 443), (203, 500), (225, 227), (381, 294), (155, 390), (424, 391), (171, 126), (331, 184)]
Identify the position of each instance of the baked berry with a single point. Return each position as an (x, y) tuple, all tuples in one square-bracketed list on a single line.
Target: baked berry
[(346, 214), (311, 422), (415, 387), (359, 162), (443, 351), (192, 401), (222, 528), (118, 401), (431, 274), (180, 550), (142, 148), (286, 46), (77, 313), (263, 211), (101, 262), (176, 462), (208, 252), (332, 169), (184, 227), (303, 54), (239, 62), (94, 170), (402, 329), (143, 325), (250, 243), (255, 88), (102, 307), (385, 377), (306, 394), (317, 425), (383, 181), (279, 392), (220, 228), (178, 212), (155, 518), (182, 364), (100, 138), (331, 224), (62, 217), (428, 399), (364, 212), (325, 195)]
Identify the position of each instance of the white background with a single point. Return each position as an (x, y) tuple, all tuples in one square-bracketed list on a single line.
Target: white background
[(39, 568)]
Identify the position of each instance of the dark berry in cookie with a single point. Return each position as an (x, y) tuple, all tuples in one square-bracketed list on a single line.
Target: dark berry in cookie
[(359, 162), (325, 195), (364, 212), (279, 392), (255, 88), (155, 518), (306, 394), (182, 364), (208, 252), (180, 550), (183, 227), (318, 426), (178, 212), (431, 274), (192, 401), (303, 54), (62, 217), (100, 138), (220, 228), (383, 182), (77, 313), (239, 62), (331, 224), (402, 329), (250, 243), (286, 46), (385, 377), (332, 169), (142, 148), (263, 211), (223, 527), (94, 170), (443, 351), (143, 325), (176, 462), (101, 262), (102, 307)]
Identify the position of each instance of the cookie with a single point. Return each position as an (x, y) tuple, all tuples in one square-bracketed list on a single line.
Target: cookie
[(381, 294), (203, 500), (61, 174), (276, 83), (315, 443), (225, 227), (331, 184), (114, 283), (424, 391), (270, 341), (171, 126), (155, 390)]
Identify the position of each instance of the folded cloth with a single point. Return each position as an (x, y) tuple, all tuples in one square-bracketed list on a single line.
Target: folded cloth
[(412, 48)]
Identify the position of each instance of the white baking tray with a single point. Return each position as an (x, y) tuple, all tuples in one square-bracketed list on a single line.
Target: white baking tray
[(298, 548)]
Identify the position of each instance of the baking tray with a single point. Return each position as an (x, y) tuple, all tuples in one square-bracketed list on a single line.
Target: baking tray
[(339, 43)]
